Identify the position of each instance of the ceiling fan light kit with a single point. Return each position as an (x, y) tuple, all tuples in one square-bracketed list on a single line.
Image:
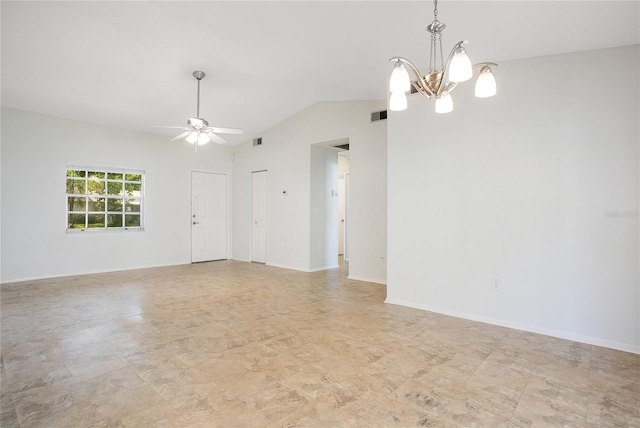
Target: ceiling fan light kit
[(440, 80)]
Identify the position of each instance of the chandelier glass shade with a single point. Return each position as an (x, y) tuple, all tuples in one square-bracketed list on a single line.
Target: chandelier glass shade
[(444, 104), (441, 78), (486, 83)]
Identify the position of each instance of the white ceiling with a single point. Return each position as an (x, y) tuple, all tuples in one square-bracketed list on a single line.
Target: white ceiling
[(129, 64)]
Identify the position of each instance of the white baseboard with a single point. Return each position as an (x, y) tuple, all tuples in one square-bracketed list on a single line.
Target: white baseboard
[(362, 278), (89, 272), (286, 267), (323, 268), (301, 269), (626, 347), (240, 260)]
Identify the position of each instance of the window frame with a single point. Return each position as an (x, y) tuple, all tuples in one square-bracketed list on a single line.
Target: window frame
[(90, 197)]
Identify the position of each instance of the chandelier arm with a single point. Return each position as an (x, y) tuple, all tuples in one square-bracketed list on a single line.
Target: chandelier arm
[(421, 87), (445, 78), (449, 89), (485, 64)]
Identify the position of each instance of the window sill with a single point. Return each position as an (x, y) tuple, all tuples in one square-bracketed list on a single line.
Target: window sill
[(105, 230)]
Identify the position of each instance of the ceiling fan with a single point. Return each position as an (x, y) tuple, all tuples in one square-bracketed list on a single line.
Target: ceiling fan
[(198, 131)]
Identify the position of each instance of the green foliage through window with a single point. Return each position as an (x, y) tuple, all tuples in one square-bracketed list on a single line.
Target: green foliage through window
[(102, 199)]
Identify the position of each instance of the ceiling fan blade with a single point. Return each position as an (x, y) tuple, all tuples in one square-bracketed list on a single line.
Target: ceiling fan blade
[(218, 139), (184, 134), (237, 131)]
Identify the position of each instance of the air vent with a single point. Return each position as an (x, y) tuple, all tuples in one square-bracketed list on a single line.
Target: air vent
[(378, 115), (257, 141)]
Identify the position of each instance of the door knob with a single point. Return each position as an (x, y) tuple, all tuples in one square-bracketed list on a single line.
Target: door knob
[(196, 222)]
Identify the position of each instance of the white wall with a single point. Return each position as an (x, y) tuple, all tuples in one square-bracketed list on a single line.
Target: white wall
[(323, 210), (285, 153), (519, 187), (35, 151)]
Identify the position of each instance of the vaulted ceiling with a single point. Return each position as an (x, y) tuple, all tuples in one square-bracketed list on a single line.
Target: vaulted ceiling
[(129, 64)]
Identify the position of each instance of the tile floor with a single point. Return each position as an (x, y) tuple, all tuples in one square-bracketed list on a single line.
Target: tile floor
[(232, 344)]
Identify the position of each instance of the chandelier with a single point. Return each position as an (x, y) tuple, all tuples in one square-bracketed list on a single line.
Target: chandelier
[(442, 78)]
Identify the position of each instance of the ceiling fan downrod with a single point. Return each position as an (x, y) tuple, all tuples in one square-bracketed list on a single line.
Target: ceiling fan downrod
[(199, 75)]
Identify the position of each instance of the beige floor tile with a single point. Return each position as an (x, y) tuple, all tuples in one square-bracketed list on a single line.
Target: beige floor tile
[(613, 411), (232, 344), (563, 374), (123, 403), (504, 383), (545, 404)]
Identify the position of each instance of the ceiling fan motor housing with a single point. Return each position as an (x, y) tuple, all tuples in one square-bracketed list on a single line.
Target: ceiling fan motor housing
[(197, 123)]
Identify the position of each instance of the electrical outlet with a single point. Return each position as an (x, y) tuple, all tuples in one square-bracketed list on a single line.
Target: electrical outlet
[(495, 283)]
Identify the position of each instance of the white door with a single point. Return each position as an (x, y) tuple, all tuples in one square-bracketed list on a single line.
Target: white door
[(208, 216), (258, 216)]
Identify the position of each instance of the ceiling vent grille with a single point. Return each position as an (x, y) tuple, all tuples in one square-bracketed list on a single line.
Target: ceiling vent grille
[(378, 115), (257, 142)]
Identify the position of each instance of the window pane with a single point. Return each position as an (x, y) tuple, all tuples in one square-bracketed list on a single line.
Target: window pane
[(96, 204), (96, 174), (132, 205), (76, 204), (75, 173), (96, 187), (75, 221), (76, 186), (114, 176), (133, 177), (114, 220), (132, 220), (114, 204), (115, 188), (95, 220), (133, 189)]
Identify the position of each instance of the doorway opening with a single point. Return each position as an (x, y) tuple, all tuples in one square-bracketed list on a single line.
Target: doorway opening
[(343, 197), (329, 196)]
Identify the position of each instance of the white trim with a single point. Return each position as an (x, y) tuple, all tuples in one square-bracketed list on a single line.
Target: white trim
[(626, 347), (103, 167), (90, 272), (286, 267), (93, 230), (323, 268), (276, 265), (362, 278), (240, 260)]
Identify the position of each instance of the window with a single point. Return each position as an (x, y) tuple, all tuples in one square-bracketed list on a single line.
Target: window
[(101, 199)]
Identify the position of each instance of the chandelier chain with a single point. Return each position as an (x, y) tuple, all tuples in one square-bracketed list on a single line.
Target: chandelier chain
[(435, 10)]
